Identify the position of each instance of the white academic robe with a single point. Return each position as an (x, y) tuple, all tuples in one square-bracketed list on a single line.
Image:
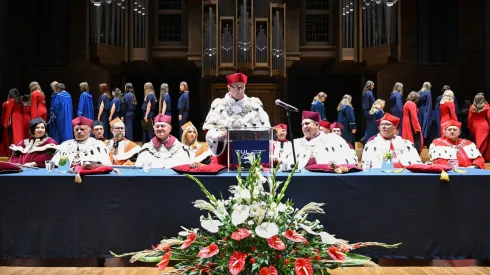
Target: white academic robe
[(325, 148), (406, 152), (228, 113), (162, 156), (198, 152), (282, 150), (80, 151)]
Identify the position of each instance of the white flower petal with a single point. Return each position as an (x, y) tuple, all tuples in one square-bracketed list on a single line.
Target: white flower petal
[(308, 229), (267, 230), (240, 214), (211, 225), (327, 238)]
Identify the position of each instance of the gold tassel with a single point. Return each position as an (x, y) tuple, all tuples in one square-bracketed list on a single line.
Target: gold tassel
[(78, 178), (444, 176), (116, 171)]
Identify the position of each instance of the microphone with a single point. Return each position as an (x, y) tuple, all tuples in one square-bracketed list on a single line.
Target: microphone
[(286, 106)]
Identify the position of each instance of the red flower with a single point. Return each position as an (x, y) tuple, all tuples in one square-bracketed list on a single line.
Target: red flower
[(295, 237), (271, 271), (241, 234), (253, 248), (225, 239), (163, 247), (164, 261), (236, 263), (276, 243), (303, 267), (317, 258), (190, 239), (336, 255), (209, 251), (287, 261), (252, 260)]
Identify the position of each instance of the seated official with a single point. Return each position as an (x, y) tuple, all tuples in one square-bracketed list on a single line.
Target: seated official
[(319, 147), (121, 150), (82, 148), (164, 150), (387, 140), (282, 147), (451, 147), (337, 128), (98, 130), (325, 126), (198, 152), (35, 150)]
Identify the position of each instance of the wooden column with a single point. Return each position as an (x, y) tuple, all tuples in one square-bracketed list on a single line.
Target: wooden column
[(487, 48)]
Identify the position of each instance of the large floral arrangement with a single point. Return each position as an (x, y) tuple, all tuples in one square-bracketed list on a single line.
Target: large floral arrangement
[(254, 231)]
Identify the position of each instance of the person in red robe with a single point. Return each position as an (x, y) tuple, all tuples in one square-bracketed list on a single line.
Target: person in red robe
[(452, 148), (446, 108), (37, 149), (4, 146), (13, 120), (410, 123), (38, 102), (479, 124)]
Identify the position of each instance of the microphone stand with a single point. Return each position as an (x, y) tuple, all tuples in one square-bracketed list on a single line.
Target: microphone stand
[(288, 114)]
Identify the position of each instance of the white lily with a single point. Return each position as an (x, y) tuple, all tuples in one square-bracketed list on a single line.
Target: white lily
[(267, 230), (240, 214), (210, 224), (308, 229), (327, 238), (186, 231), (221, 212)]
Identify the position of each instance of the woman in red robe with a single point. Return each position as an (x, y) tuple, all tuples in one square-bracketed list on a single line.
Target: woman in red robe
[(37, 149), (38, 102), (13, 120), (479, 124), (447, 109), (411, 129)]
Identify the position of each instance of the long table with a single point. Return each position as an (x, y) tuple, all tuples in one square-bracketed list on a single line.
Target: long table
[(49, 215)]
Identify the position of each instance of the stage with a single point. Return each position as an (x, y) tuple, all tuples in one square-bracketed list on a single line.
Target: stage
[(47, 215)]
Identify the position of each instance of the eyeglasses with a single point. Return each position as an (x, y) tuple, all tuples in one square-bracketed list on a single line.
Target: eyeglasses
[(385, 125)]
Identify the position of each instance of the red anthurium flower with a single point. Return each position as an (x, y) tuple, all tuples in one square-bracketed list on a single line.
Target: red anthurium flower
[(164, 261), (293, 236), (276, 243), (336, 255), (209, 251), (241, 234), (236, 263), (303, 267), (268, 271), (190, 239)]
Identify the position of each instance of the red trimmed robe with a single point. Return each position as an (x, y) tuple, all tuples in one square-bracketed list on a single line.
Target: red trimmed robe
[(33, 150), (443, 149)]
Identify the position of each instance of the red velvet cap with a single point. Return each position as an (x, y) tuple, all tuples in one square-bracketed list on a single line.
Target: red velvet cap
[(315, 116), (337, 125), (81, 120), (235, 78), (281, 126), (391, 118), (451, 122), (325, 124), (163, 118)]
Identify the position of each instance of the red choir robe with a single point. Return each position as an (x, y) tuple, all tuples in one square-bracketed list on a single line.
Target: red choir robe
[(38, 103), (14, 120), (479, 125), (443, 149), (411, 125), (4, 146), (447, 112), (33, 150)]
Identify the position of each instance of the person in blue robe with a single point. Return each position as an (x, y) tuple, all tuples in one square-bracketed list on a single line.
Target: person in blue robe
[(104, 108), (149, 109), (117, 105), (62, 115), (317, 105), (396, 100), (376, 113), (165, 102), (183, 105), (367, 102), (345, 116), (130, 104), (53, 131), (86, 103), (425, 109)]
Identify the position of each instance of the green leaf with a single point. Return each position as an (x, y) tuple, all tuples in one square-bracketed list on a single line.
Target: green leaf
[(356, 257), (150, 259)]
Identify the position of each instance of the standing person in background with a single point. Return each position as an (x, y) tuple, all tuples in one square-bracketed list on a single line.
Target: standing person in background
[(13, 121), (62, 115), (130, 104), (367, 102), (149, 109), (479, 124), (183, 105), (53, 130), (396, 100), (38, 102), (447, 108), (437, 111), (345, 116), (376, 113), (117, 105), (86, 104), (104, 107), (425, 108), (165, 102), (412, 130), (317, 105)]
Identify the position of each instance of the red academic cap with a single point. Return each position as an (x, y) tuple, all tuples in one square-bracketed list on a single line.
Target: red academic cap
[(281, 126), (163, 118), (337, 125), (451, 122), (391, 118), (81, 120), (315, 116), (325, 124), (235, 78)]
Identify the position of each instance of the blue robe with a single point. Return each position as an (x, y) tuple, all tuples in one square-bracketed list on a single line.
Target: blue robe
[(62, 117), (118, 110), (129, 114), (148, 134), (319, 107), (52, 130), (183, 107), (346, 117), (104, 117), (425, 111), (372, 128), (168, 101), (396, 109), (86, 106), (367, 102)]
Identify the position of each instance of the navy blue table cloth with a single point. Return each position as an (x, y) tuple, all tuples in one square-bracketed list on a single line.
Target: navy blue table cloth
[(49, 215)]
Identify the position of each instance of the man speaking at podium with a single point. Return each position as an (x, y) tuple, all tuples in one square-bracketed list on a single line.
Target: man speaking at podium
[(234, 111)]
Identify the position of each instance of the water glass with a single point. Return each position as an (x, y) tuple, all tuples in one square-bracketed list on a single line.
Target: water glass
[(49, 165), (146, 166), (366, 165), (453, 163)]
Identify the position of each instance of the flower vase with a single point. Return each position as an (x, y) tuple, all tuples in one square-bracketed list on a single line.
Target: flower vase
[(387, 165)]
